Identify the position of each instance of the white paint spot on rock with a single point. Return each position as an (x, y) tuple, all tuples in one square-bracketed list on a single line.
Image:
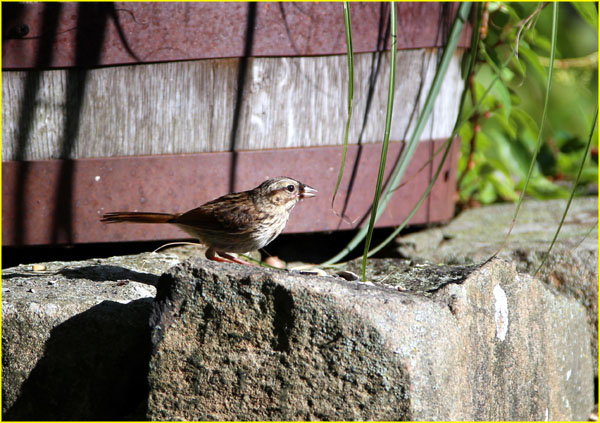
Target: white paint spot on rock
[(501, 312), (569, 374)]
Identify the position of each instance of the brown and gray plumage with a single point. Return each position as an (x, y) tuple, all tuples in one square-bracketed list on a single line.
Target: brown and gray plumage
[(234, 223)]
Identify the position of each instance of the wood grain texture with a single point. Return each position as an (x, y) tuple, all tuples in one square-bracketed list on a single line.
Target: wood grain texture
[(189, 107)]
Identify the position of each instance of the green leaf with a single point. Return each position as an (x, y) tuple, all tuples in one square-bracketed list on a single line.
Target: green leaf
[(504, 186), (515, 99), (508, 9), (503, 96), (540, 42), (486, 169), (527, 128), (507, 74), (540, 187), (485, 80), (487, 192), (589, 175), (493, 6), (533, 61), (588, 11), (518, 66), (502, 122)]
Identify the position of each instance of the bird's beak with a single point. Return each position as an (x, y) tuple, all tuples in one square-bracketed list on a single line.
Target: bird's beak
[(308, 192)]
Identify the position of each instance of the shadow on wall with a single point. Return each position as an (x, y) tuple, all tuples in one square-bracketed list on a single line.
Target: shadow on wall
[(92, 20)]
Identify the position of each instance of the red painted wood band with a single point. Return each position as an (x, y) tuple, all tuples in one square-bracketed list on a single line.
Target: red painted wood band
[(54, 35), (58, 202)]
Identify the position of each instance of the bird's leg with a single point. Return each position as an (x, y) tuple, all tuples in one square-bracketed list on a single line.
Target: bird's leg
[(211, 254), (235, 259)]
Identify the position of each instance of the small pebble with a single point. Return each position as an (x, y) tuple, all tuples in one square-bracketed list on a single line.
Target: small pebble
[(51, 282), (31, 290), (275, 262), (349, 276)]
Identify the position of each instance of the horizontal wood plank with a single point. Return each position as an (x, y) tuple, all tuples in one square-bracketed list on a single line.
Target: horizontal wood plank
[(61, 202), (59, 35), (195, 106)]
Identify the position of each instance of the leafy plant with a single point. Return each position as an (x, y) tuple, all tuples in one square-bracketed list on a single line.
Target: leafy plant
[(523, 132), (500, 141)]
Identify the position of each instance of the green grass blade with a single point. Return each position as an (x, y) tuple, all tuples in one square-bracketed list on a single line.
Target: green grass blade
[(397, 230), (562, 220), (348, 24), (386, 136), (541, 128), (448, 144), (400, 168), (438, 79)]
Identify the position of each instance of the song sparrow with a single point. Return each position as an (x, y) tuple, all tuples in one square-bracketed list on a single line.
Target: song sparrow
[(236, 222)]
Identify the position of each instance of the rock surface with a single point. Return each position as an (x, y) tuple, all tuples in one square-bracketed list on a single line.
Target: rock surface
[(75, 337), (425, 343), (476, 234), (421, 342)]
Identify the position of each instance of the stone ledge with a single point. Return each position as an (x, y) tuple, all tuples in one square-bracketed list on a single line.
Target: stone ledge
[(238, 343), (476, 234), (75, 337), (419, 342)]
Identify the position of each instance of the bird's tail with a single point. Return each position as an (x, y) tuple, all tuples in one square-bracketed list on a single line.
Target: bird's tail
[(138, 217)]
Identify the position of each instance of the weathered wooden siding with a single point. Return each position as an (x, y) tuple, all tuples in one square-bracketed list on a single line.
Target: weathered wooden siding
[(189, 107), (65, 34)]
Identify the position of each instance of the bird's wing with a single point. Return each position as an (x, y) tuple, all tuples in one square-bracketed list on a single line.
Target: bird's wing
[(232, 212)]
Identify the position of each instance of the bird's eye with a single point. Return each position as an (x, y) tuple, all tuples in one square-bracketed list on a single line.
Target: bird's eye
[(290, 188)]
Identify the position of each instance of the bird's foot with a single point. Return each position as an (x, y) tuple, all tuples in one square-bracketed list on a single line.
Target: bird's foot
[(225, 258)]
